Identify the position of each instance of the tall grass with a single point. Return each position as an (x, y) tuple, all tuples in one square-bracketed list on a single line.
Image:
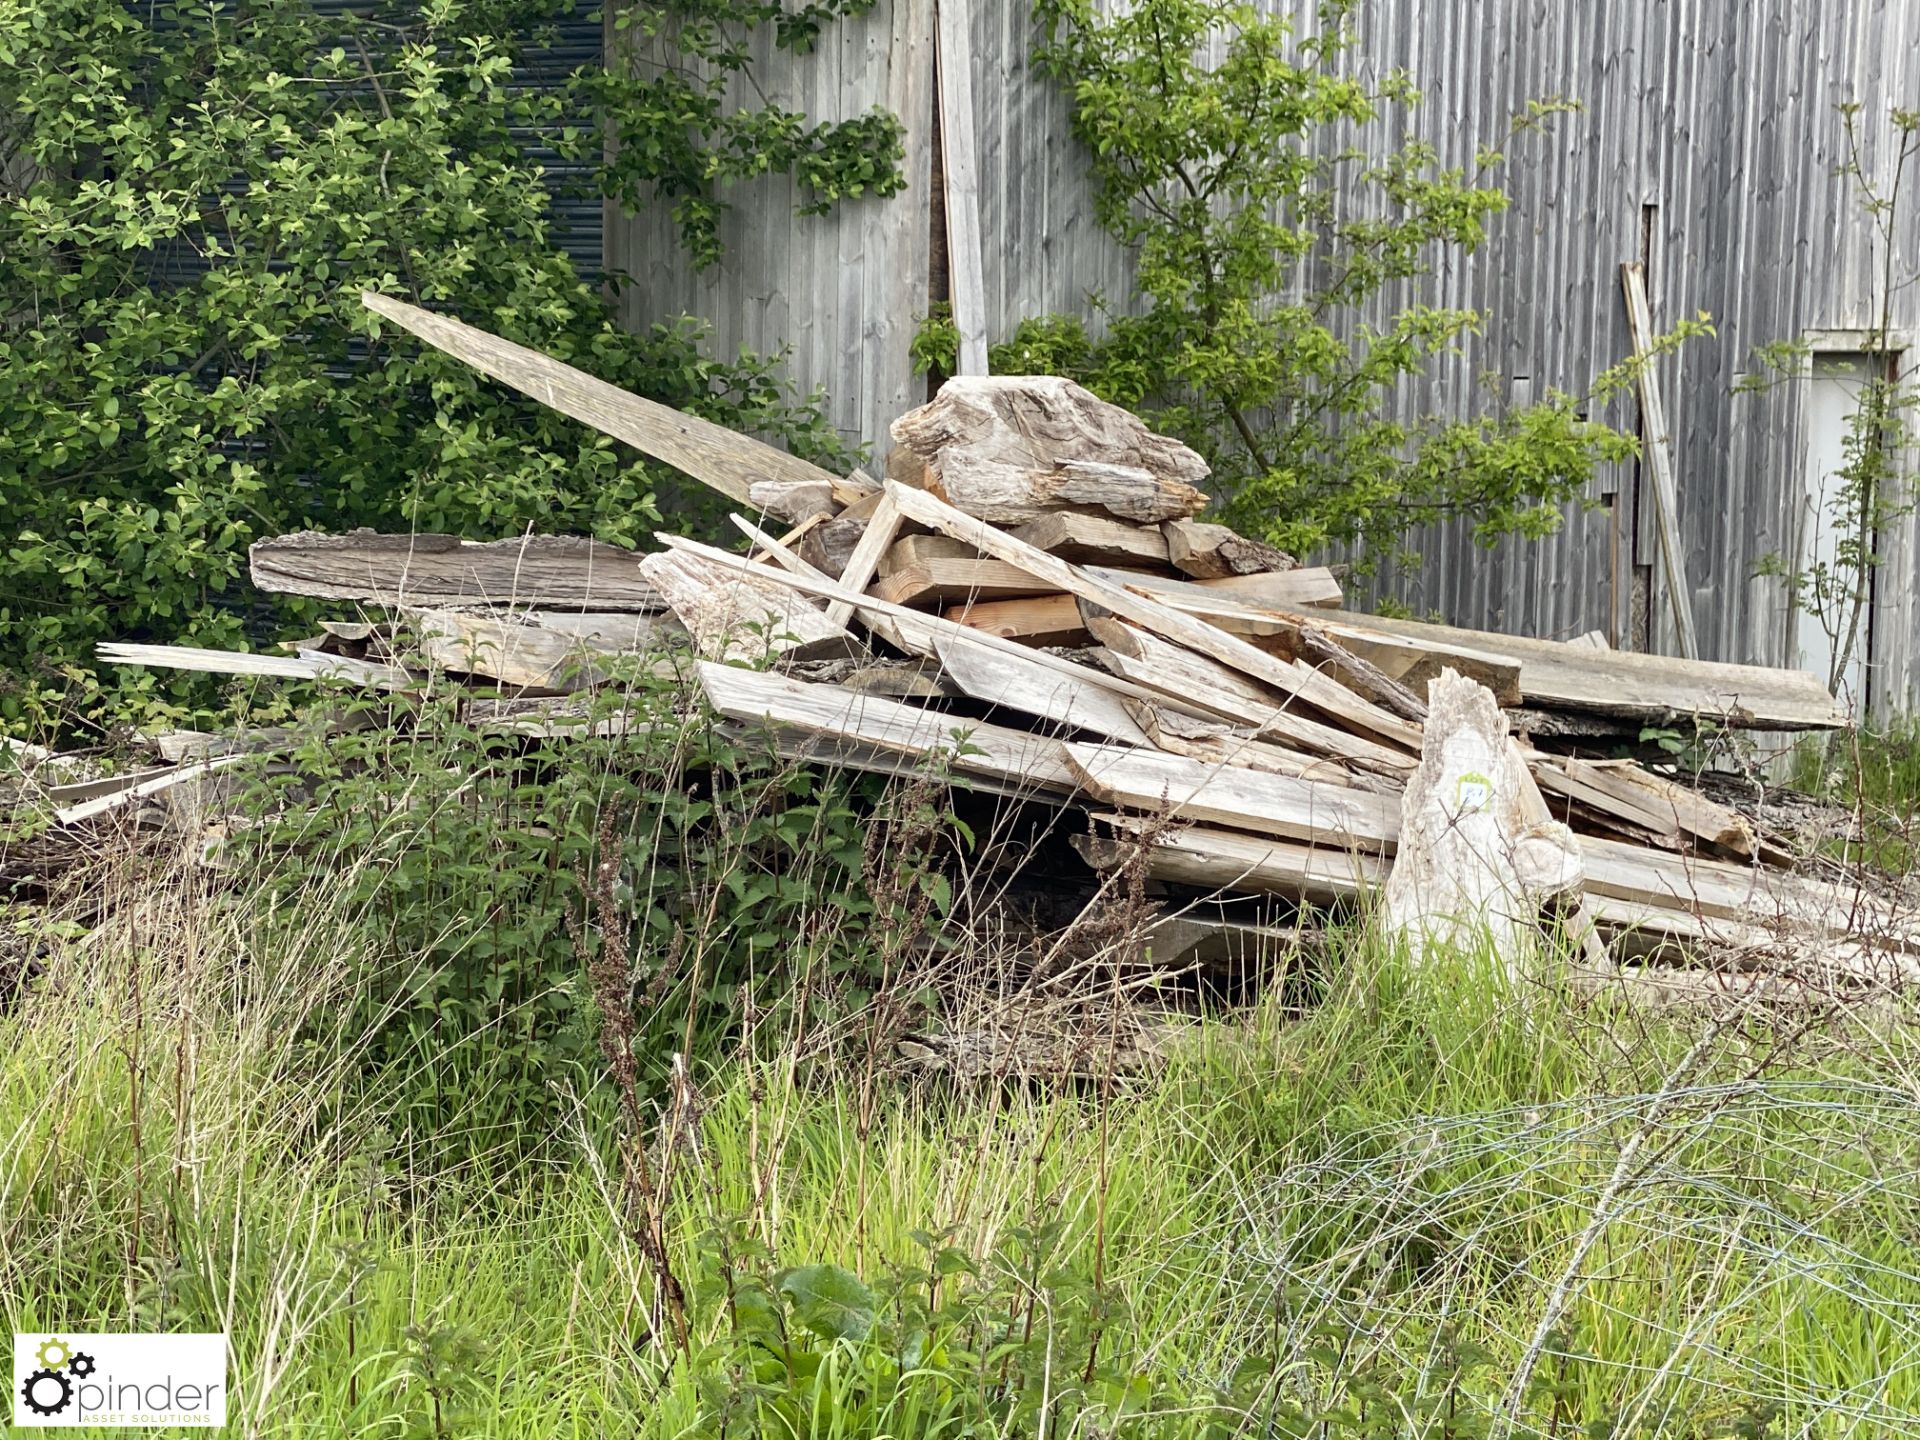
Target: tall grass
[(1352, 1223)]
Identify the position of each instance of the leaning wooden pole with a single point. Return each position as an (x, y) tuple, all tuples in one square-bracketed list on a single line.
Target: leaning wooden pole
[(1653, 425), (725, 459)]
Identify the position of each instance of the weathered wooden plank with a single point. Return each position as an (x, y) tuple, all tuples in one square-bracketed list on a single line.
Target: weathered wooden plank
[(802, 716), (1235, 602), (143, 790), (725, 459), (1021, 683), (536, 650), (440, 570), (1634, 685), (874, 540), (307, 665), (959, 162), (1180, 675), (938, 579), (1316, 690), (1653, 426)]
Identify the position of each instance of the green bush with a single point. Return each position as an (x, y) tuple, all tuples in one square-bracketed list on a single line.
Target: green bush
[(191, 200)]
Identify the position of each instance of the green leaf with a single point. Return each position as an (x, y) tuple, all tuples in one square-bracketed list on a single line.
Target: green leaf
[(833, 1303)]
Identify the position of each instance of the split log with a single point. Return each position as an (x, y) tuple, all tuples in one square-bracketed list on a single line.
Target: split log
[(440, 570), (829, 547), (794, 501), (1472, 865), (1095, 540), (1213, 552), (736, 616), (1009, 449)]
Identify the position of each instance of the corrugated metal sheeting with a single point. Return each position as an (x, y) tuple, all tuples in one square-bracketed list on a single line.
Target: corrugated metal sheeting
[(1707, 147)]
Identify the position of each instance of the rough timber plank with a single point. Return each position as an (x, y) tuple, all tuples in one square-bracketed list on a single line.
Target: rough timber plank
[(1094, 539), (439, 570), (1636, 686), (307, 665), (1323, 694), (536, 650), (1021, 683), (960, 173), (725, 459), (825, 721), (1044, 620)]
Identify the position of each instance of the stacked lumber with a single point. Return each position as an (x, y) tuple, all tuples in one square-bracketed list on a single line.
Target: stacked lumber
[(1030, 601)]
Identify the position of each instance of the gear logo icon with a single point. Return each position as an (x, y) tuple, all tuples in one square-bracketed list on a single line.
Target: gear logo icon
[(47, 1392), (54, 1353), (82, 1365)]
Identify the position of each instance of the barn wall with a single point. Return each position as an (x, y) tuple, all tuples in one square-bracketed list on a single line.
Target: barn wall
[(1706, 146), (843, 291)]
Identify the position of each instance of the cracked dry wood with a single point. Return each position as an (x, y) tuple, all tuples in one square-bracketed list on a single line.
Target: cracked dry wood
[(1010, 449), (1476, 860), (733, 614)]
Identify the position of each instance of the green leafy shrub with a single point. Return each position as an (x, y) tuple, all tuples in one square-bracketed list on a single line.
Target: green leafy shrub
[(191, 200), (514, 896)]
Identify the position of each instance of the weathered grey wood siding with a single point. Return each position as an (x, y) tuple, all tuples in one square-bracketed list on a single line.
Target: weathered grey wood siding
[(841, 292), (1708, 140)]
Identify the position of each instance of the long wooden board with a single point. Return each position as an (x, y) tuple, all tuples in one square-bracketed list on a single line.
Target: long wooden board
[(439, 570), (824, 721), (1636, 686), (725, 459)]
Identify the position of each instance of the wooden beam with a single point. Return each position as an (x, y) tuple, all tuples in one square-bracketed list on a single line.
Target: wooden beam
[(1095, 539), (1632, 685), (1237, 602), (440, 570), (1654, 435), (725, 459), (960, 171), (1044, 620), (737, 614)]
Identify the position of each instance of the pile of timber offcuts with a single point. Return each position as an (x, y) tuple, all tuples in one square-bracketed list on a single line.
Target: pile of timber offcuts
[(1028, 605)]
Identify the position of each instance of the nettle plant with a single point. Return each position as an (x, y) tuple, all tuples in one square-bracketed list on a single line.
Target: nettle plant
[(192, 197), (1227, 155), (1871, 490)]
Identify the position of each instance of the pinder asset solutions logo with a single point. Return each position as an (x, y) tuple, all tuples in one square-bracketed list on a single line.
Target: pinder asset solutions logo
[(73, 1381)]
